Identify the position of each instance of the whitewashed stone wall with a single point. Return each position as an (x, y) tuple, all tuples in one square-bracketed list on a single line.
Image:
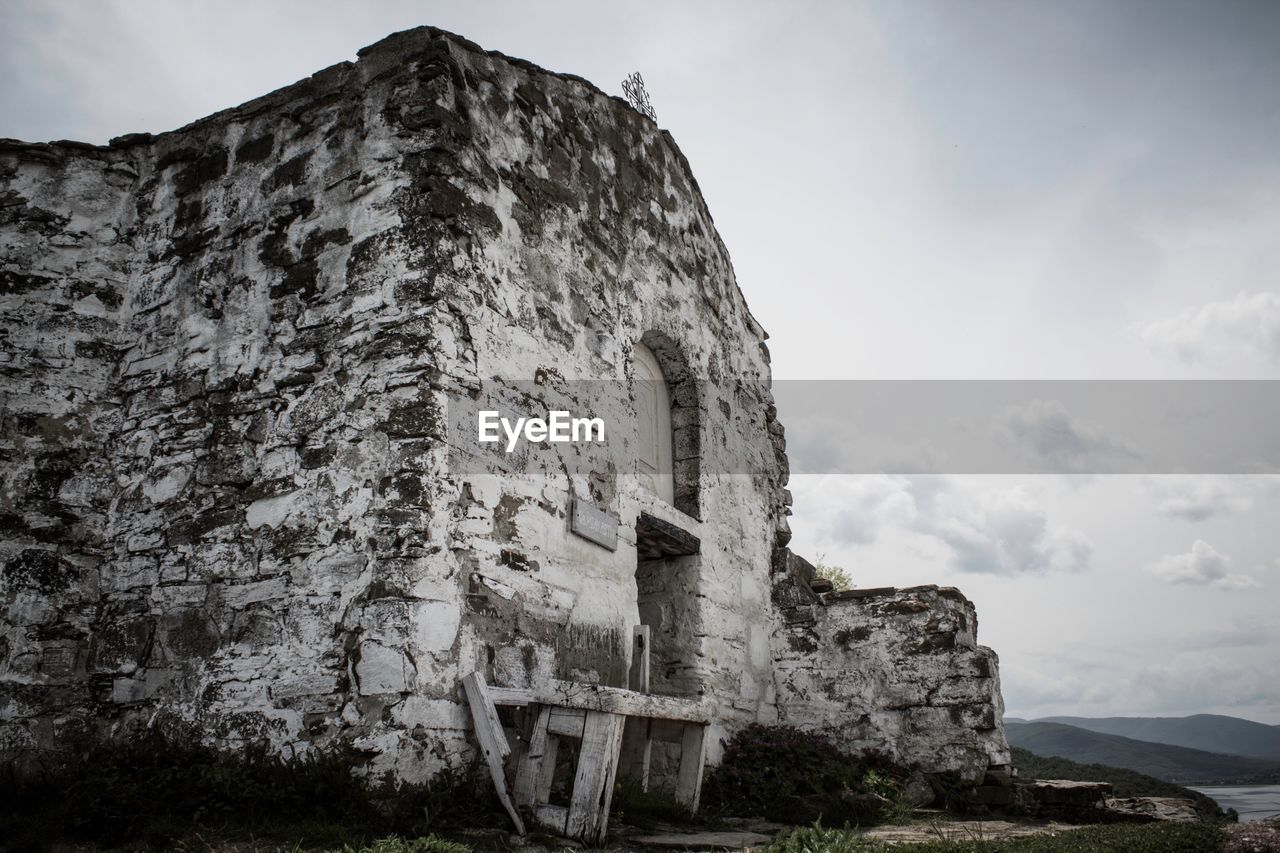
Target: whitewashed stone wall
[(231, 497), (228, 493), (894, 671)]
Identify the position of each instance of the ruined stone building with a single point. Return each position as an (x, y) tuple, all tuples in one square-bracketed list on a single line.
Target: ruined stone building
[(237, 488)]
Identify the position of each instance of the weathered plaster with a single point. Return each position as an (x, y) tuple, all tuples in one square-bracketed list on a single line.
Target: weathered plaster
[(894, 671), (229, 489)]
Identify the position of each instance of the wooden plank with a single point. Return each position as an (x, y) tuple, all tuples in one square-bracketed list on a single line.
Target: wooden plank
[(612, 700), (482, 707), (529, 770), (640, 658), (593, 782), (517, 696), (692, 757), (552, 817), (657, 538), (567, 722), (492, 740), (637, 749), (547, 771), (519, 755)]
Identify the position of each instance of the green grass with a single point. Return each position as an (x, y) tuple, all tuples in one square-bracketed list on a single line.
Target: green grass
[(1120, 838), (429, 844), (391, 844)]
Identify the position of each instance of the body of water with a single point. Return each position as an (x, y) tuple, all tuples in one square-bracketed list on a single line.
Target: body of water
[(1253, 802)]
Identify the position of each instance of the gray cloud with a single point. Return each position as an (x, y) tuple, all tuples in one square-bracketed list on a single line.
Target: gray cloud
[(1068, 443), (1241, 633), (1189, 681), (1204, 497)]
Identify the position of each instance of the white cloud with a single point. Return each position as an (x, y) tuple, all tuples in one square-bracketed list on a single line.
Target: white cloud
[(1202, 565), (864, 504), (997, 531), (1203, 497), (1005, 532), (1031, 688), (1248, 324)]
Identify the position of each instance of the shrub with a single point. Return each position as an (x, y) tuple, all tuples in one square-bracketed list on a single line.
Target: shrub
[(793, 776), (157, 788), (840, 579)]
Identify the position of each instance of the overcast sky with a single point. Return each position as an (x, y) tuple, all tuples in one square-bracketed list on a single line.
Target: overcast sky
[(943, 190)]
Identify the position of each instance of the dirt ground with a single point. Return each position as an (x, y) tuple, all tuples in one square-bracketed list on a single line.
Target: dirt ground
[(1257, 837)]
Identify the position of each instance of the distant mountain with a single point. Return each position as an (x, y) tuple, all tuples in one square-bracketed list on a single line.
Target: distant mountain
[(1210, 732), (1170, 763)]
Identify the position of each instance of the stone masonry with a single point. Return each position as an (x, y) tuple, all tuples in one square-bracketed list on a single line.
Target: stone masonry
[(232, 490), (894, 671)]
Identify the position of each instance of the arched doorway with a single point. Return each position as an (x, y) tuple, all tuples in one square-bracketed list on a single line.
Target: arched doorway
[(667, 555), (654, 459)]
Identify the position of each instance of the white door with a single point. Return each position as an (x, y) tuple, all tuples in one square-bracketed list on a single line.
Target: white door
[(654, 461)]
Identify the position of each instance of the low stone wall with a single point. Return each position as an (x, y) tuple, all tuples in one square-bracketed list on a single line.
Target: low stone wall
[(1085, 802), (895, 671)]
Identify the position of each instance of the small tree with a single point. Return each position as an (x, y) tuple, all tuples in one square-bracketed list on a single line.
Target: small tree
[(638, 96), (840, 579)]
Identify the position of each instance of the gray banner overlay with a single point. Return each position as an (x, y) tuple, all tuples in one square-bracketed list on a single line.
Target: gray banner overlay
[(914, 427)]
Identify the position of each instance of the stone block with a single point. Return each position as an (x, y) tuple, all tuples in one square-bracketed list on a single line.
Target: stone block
[(382, 670), (127, 691)]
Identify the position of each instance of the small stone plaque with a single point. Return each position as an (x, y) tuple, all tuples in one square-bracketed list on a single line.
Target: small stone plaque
[(590, 522)]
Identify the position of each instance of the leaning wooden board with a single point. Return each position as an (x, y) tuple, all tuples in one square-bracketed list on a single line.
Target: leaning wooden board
[(493, 740)]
